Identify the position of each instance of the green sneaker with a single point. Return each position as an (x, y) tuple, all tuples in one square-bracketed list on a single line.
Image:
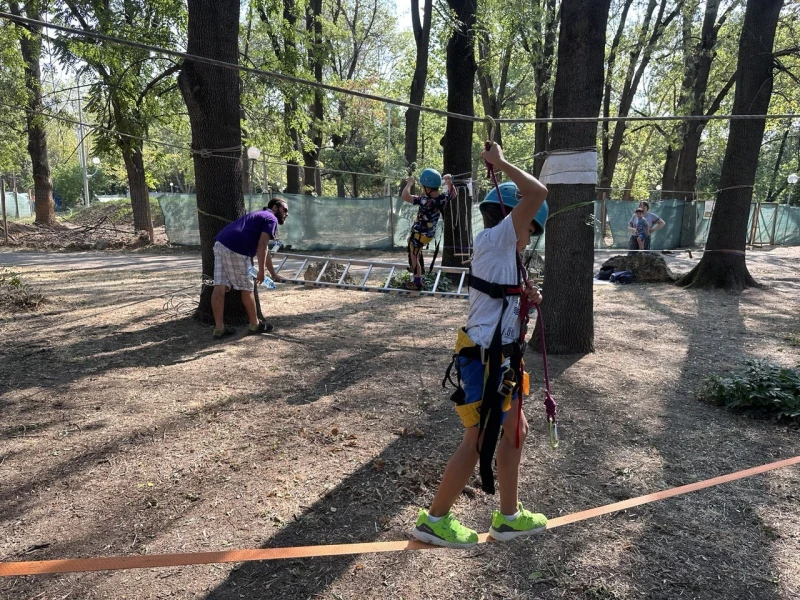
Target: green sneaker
[(446, 532), (526, 523)]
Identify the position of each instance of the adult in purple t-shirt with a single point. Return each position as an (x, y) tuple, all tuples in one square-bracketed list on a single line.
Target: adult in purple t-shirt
[(234, 249)]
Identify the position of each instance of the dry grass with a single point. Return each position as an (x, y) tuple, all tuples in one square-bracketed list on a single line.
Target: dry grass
[(126, 430)]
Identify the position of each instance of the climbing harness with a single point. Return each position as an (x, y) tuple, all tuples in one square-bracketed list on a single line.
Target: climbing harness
[(549, 402)]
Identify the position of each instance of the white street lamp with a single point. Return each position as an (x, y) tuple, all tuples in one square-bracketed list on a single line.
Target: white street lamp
[(793, 178), (253, 154), (96, 163), (658, 187)]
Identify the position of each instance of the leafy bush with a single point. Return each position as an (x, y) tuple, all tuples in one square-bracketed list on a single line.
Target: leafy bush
[(428, 279), (763, 386), (17, 295)]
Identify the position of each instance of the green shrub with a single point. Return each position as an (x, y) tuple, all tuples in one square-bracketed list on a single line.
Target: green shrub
[(428, 279), (762, 386)]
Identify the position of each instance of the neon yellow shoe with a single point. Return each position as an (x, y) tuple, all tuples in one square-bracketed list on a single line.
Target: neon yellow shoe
[(526, 523), (446, 532)]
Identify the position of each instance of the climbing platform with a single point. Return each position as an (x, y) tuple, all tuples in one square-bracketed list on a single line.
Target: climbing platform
[(360, 275)]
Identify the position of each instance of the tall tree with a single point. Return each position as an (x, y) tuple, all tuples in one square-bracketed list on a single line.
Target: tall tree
[(212, 100), (281, 20), (30, 42), (128, 94), (649, 35), (693, 95), (567, 308), (540, 46), (312, 140), (457, 143), (422, 36), (723, 264)]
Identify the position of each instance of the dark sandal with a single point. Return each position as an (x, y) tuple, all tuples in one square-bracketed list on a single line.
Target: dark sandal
[(226, 331), (262, 328)]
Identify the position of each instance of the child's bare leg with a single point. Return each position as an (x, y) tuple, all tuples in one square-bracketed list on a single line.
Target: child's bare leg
[(415, 265), (641, 243), (457, 473), (509, 458)]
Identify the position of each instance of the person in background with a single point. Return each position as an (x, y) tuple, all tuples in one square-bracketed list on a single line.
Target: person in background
[(653, 221)]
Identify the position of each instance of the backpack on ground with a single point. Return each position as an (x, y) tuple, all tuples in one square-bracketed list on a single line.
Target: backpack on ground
[(621, 277)]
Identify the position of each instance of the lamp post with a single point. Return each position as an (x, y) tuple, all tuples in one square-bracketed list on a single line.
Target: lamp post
[(253, 154), (87, 176)]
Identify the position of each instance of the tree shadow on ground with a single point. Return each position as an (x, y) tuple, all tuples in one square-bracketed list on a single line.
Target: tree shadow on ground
[(691, 541)]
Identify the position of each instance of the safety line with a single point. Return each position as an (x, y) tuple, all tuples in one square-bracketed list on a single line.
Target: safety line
[(115, 563), (333, 88)]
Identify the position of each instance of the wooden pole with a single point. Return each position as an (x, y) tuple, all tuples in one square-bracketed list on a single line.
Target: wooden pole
[(754, 227), (774, 223), (3, 201)]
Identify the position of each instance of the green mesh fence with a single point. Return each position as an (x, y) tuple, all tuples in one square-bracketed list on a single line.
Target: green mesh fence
[(18, 206), (703, 211), (778, 224), (787, 227), (330, 223), (327, 223), (180, 218)]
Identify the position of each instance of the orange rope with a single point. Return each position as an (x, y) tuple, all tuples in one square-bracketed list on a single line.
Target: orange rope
[(113, 563)]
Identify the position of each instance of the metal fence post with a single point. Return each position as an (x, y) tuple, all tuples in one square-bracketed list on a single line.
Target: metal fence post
[(391, 221)]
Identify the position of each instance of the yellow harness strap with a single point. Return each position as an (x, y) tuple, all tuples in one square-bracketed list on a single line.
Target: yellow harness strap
[(470, 413)]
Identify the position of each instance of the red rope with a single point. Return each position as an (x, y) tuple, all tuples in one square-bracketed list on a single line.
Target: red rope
[(550, 405)]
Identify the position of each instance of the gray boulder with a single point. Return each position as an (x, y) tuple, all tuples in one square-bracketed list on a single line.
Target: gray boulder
[(647, 267)]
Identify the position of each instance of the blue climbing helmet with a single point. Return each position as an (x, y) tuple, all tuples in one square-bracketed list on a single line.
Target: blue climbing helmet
[(509, 193), (431, 178)]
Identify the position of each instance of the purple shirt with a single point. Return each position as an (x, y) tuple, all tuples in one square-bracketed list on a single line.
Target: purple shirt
[(242, 235)]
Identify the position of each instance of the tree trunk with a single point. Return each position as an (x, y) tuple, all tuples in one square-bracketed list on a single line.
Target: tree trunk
[(772, 193), (30, 42), (696, 78), (457, 149), (543, 73), (644, 48), (312, 180), (293, 171), (567, 309), (723, 264), (422, 35), (140, 195), (670, 169), (212, 101)]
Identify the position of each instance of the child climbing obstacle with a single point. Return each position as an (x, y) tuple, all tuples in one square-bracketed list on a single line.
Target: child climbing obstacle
[(431, 204), (488, 362)]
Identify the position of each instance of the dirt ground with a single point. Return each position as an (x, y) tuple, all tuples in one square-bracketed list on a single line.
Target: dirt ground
[(126, 429)]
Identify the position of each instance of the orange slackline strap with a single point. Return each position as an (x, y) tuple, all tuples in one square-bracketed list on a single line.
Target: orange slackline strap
[(113, 563)]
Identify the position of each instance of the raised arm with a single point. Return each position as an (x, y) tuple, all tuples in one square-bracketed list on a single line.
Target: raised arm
[(406, 195), (532, 192)]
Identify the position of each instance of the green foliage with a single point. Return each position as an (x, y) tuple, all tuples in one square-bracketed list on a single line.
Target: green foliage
[(760, 385), (68, 184), (16, 295), (428, 279), (118, 212)]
